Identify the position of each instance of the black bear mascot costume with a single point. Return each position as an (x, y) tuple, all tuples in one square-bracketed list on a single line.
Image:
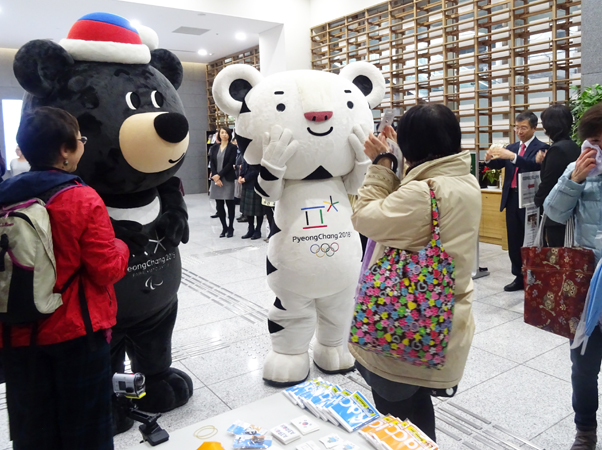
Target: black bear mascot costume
[(123, 93)]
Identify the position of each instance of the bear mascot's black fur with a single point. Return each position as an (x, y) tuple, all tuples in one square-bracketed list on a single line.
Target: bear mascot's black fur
[(137, 139)]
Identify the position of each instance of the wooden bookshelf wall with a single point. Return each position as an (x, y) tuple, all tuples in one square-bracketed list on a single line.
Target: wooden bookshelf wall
[(487, 60), (215, 116)]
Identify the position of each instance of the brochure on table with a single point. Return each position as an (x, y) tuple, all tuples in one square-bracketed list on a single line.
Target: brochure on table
[(267, 413), (296, 428)]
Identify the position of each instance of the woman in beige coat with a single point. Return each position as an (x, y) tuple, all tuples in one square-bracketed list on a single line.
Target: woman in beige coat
[(398, 214)]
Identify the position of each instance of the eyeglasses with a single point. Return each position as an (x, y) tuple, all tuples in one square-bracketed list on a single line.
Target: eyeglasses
[(83, 140), (521, 128)]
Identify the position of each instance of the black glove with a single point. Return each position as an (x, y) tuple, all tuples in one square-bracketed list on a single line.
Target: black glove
[(130, 233), (173, 223), (174, 226)]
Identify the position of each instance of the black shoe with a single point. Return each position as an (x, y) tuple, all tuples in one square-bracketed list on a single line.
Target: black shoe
[(248, 235), (224, 231), (242, 219), (215, 216), (585, 440), (256, 235), (230, 232), (516, 285)]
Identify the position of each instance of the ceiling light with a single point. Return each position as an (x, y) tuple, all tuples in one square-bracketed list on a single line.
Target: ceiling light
[(240, 36), (135, 23), (202, 52)]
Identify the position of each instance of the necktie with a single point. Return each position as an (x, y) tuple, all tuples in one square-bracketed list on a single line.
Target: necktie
[(520, 153)]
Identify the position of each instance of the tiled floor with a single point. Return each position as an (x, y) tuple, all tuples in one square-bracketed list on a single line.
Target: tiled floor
[(517, 376)]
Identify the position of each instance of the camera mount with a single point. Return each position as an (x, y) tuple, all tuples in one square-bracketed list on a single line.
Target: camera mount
[(132, 386), (151, 431)]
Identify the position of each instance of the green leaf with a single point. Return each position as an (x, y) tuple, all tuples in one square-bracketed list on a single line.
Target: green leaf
[(583, 99)]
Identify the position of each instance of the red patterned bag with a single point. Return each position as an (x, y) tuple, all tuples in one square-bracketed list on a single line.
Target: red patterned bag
[(556, 283)]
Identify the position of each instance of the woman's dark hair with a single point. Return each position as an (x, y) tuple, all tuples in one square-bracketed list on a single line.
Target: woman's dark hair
[(590, 124), (527, 115), (428, 131), (557, 121), (228, 130), (43, 131)]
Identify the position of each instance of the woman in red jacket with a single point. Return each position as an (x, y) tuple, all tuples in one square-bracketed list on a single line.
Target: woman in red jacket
[(59, 391)]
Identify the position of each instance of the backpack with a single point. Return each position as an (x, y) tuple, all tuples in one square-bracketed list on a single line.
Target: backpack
[(27, 263)]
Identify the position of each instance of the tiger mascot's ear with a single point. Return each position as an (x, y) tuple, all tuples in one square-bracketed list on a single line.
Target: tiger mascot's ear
[(232, 85), (368, 79)]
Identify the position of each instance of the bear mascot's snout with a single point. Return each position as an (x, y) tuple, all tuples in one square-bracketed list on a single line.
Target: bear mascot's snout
[(171, 127), (155, 141)]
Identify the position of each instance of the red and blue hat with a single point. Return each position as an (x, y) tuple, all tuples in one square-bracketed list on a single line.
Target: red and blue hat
[(104, 37)]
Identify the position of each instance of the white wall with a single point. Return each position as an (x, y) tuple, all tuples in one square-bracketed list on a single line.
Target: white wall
[(322, 11), (9, 90), (295, 46), (271, 50)]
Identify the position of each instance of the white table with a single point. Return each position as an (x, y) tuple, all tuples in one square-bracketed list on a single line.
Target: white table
[(266, 413)]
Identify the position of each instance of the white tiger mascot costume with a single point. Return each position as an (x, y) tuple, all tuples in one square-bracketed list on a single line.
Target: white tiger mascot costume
[(307, 129)]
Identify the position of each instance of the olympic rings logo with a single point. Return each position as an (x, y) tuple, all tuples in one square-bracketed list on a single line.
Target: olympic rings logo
[(324, 250)]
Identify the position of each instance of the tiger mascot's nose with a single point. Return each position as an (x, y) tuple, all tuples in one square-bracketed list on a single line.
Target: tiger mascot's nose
[(318, 116)]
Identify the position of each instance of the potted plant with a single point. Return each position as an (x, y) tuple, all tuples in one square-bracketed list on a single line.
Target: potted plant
[(582, 100), (491, 177)]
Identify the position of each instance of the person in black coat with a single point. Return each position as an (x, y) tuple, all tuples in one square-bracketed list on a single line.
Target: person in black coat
[(516, 158), (239, 160), (557, 121), (250, 201), (222, 158)]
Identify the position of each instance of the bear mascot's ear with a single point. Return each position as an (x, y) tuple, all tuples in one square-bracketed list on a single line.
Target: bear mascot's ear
[(169, 65), (368, 79), (231, 86), (39, 64)]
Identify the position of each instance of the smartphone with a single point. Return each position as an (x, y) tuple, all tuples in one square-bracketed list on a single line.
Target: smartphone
[(386, 119)]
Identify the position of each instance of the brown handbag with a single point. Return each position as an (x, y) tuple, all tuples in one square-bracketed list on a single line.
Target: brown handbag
[(556, 283)]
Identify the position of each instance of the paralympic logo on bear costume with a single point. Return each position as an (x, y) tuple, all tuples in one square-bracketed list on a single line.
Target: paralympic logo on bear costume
[(307, 130)]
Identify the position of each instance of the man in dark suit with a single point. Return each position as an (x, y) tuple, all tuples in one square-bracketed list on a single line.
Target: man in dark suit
[(516, 158)]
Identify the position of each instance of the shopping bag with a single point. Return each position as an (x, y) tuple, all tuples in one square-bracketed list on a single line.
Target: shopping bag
[(405, 303), (556, 283)]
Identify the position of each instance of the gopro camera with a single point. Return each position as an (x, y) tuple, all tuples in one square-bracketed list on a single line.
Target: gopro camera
[(130, 385)]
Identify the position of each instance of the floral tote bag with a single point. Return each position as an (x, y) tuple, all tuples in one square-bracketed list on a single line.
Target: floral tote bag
[(405, 303)]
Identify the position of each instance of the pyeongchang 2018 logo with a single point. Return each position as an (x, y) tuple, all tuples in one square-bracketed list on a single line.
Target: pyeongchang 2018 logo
[(315, 215), (151, 264)]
